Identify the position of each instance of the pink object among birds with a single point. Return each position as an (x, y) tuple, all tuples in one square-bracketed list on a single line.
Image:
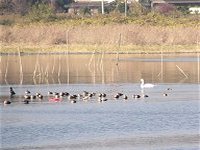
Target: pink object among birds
[(54, 99)]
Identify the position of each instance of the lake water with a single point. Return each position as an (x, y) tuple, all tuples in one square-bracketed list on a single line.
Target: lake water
[(99, 68), (157, 122)]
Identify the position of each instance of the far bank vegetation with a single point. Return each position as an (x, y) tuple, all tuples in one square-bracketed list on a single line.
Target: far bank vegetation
[(40, 26)]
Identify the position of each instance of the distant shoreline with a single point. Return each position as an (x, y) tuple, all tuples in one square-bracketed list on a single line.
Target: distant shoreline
[(89, 53), (96, 49)]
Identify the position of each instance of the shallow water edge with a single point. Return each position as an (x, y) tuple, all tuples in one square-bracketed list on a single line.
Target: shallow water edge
[(152, 142)]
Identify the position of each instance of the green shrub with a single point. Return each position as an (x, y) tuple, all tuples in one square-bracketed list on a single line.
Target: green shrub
[(137, 9), (6, 22), (121, 7), (85, 11), (183, 9), (41, 12), (7, 7)]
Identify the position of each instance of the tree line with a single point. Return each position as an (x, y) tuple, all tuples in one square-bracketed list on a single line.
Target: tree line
[(24, 6), (46, 10)]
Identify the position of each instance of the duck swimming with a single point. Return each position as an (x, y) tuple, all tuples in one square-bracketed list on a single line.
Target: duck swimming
[(6, 102), (12, 92)]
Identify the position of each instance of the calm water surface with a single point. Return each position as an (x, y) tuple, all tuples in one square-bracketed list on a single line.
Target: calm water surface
[(157, 122)]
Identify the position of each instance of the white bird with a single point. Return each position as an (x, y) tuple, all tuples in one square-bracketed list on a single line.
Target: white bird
[(146, 85)]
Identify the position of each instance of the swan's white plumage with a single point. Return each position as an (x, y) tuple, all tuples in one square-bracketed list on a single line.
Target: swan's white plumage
[(147, 85)]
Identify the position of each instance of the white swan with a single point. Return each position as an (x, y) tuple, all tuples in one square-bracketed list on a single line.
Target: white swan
[(147, 85)]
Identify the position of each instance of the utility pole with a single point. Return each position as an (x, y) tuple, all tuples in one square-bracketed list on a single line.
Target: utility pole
[(125, 11), (102, 7)]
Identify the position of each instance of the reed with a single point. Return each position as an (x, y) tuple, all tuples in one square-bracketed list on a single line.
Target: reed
[(98, 63), (67, 39), (68, 68), (34, 81), (47, 71), (36, 64), (161, 65), (94, 72), (119, 46), (102, 68), (53, 67), (198, 65), (91, 59), (20, 66), (181, 70), (6, 71), (198, 69), (59, 66), (0, 67)]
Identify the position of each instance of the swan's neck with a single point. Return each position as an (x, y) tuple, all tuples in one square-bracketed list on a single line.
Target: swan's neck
[(142, 85)]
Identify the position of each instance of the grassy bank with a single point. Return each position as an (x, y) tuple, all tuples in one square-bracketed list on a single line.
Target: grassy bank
[(64, 48), (149, 19), (147, 34)]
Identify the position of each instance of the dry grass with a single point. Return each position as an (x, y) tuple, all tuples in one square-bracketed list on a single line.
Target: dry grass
[(99, 38)]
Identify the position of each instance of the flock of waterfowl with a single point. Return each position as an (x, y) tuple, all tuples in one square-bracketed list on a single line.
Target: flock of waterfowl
[(73, 98)]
